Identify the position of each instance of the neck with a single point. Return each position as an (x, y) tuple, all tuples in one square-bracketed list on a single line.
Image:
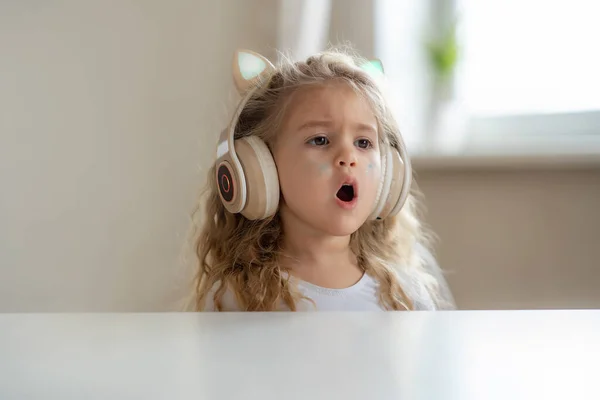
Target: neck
[(305, 246)]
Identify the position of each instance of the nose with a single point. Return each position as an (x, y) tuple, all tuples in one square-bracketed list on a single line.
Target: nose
[(346, 157)]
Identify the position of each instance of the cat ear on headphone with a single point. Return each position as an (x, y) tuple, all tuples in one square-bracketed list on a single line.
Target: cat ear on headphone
[(373, 67), (248, 67)]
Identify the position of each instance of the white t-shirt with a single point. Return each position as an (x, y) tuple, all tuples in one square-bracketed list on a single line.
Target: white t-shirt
[(362, 296)]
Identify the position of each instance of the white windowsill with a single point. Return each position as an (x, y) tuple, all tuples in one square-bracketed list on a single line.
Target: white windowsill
[(563, 152)]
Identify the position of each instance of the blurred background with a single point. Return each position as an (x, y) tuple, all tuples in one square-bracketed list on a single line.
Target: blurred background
[(110, 110)]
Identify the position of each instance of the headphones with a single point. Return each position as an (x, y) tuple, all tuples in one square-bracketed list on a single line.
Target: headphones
[(246, 174)]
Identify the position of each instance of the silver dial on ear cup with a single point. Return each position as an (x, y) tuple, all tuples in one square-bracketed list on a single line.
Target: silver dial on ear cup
[(225, 182)]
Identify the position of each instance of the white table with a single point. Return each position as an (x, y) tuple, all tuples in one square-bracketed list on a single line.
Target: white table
[(420, 355)]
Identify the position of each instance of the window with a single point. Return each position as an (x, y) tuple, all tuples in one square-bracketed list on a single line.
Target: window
[(527, 74), (530, 67), (531, 56)]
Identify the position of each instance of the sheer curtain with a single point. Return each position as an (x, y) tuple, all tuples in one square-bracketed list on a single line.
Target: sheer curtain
[(400, 32), (303, 26)]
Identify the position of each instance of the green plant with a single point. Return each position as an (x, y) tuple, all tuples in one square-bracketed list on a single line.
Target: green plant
[(443, 53)]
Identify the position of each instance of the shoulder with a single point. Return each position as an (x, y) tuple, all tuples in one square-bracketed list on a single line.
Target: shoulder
[(443, 295), (428, 288)]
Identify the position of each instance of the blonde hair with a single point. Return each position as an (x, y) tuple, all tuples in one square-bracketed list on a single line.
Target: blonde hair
[(242, 255)]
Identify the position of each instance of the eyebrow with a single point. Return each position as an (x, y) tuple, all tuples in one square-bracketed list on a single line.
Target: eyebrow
[(328, 124)]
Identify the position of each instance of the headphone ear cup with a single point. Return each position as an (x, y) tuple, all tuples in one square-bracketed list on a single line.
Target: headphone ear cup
[(384, 185), (395, 169), (262, 181)]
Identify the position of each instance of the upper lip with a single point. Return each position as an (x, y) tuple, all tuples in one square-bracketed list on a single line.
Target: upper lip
[(350, 180)]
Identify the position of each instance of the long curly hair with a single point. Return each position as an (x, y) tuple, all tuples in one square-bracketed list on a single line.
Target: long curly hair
[(242, 256)]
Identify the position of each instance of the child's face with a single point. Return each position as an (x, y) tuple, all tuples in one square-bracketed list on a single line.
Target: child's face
[(329, 137)]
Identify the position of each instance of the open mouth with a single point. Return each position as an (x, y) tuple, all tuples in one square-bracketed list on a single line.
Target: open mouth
[(346, 193)]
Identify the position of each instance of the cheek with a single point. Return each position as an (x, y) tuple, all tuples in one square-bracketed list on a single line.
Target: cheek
[(298, 171), (373, 169), (373, 174), (303, 167), (322, 168)]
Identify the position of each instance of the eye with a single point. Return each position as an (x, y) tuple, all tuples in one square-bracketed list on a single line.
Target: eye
[(319, 141), (364, 143)]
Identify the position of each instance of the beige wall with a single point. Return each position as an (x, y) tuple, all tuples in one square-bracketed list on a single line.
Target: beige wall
[(108, 113), (517, 237)]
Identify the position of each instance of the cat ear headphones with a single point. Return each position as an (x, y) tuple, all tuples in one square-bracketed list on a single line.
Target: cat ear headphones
[(246, 174)]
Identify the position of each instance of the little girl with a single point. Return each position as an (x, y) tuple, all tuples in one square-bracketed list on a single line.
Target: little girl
[(309, 200)]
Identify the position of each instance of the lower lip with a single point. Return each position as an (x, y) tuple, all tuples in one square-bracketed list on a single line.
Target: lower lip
[(347, 205)]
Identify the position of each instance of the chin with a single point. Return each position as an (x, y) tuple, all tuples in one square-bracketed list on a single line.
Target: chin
[(333, 222), (342, 226)]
